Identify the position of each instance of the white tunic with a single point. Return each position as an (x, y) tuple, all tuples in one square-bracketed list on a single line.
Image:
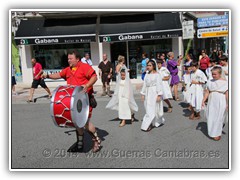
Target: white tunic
[(124, 111), (216, 107), (164, 72), (225, 68), (196, 90), (152, 87), (209, 73), (186, 92)]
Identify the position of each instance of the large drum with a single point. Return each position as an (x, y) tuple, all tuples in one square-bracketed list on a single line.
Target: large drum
[(69, 106)]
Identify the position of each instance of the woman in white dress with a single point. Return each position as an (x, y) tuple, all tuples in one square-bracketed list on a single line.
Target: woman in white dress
[(217, 106), (152, 97), (165, 75), (198, 80), (121, 63), (123, 99)]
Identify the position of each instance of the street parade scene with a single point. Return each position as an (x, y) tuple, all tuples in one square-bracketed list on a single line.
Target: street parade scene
[(120, 90)]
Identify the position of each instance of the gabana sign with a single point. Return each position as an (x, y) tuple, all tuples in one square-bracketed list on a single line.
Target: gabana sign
[(60, 40), (135, 37)]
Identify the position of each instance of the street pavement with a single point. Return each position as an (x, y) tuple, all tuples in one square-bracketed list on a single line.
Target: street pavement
[(180, 143)]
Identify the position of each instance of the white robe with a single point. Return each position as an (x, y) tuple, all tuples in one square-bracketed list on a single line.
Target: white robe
[(196, 90), (152, 87), (164, 72), (209, 73), (216, 107), (124, 111), (123, 98), (186, 92), (225, 68)]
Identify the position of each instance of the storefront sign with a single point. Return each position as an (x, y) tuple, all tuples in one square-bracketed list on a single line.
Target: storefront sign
[(212, 32), (140, 36), (188, 30), (212, 21), (58, 40)]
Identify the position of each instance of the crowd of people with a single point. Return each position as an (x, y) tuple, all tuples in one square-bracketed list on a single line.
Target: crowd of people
[(205, 87)]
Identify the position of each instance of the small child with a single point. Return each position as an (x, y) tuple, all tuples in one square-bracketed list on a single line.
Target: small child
[(198, 79), (217, 95), (213, 63), (123, 98), (186, 84), (165, 75)]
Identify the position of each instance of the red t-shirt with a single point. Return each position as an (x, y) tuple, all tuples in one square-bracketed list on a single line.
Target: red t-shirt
[(36, 69), (79, 76), (204, 62)]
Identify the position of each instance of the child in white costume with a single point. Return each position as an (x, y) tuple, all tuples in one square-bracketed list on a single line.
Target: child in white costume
[(213, 62), (152, 97), (165, 75), (198, 79), (123, 98), (217, 106), (186, 84)]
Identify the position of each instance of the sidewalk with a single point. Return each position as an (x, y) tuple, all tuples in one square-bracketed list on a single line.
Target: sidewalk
[(23, 91)]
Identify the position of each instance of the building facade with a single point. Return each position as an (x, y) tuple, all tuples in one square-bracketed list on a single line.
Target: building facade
[(48, 35)]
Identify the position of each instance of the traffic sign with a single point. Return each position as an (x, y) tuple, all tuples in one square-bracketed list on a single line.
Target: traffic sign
[(188, 30), (212, 21), (212, 32)]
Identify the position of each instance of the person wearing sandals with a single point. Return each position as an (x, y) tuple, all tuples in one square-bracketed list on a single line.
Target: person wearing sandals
[(152, 97), (165, 74), (37, 80), (217, 106), (198, 79), (80, 74), (123, 98)]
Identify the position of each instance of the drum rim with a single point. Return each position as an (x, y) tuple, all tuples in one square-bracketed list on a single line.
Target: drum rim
[(52, 104)]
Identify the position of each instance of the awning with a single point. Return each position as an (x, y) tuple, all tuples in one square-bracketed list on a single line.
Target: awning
[(140, 27), (56, 31)]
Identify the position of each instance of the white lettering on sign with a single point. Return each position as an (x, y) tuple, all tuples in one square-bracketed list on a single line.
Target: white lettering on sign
[(129, 37), (46, 41)]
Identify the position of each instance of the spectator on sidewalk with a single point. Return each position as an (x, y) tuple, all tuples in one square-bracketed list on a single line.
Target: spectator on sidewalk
[(105, 72), (86, 59), (37, 80), (13, 81)]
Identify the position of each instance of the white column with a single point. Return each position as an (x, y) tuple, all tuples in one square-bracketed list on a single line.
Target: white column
[(26, 55), (177, 48), (106, 49)]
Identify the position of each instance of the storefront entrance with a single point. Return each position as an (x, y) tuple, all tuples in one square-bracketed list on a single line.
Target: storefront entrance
[(133, 50)]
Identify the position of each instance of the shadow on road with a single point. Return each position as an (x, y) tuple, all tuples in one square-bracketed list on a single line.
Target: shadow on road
[(183, 104), (202, 126), (87, 140)]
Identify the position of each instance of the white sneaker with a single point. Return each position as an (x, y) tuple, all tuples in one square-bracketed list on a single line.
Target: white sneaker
[(15, 94)]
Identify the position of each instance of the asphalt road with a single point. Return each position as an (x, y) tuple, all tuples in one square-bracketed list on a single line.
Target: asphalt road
[(37, 143)]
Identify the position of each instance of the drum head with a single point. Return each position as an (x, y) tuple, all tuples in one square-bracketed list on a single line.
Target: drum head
[(79, 107)]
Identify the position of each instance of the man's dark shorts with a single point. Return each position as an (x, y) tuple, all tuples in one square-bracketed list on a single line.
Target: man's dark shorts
[(13, 80), (40, 82)]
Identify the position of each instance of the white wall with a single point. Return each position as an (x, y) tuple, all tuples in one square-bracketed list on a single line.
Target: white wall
[(94, 47), (106, 49), (26, 55), (177, 48)]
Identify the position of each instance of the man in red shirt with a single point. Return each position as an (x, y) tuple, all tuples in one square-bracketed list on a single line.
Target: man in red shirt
[(80, 74), (37, 80)]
